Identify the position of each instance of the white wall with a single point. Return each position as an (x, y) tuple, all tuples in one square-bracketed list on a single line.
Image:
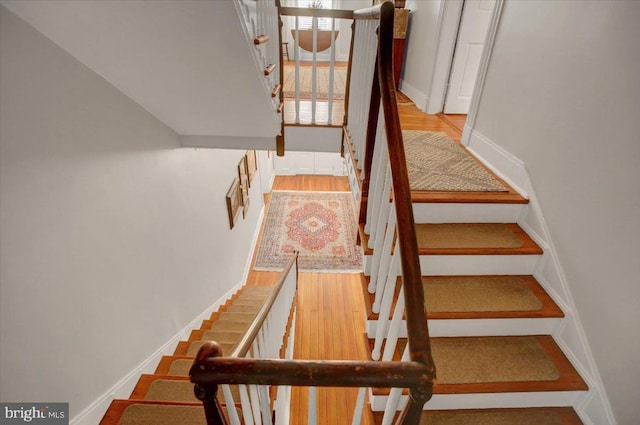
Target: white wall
[(562, 94), (113, 237), (420, 49)]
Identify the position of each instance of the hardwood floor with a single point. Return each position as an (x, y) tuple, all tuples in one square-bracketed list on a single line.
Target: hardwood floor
[(329, 321), (412, 118), (322, 112), (456, 121)]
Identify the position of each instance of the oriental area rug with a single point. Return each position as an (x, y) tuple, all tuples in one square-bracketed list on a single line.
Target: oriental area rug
[(321, 226)]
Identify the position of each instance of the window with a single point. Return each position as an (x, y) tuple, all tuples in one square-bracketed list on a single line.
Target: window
[(306, 22)]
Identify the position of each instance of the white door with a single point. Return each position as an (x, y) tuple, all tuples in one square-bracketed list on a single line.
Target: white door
[(476, 17)]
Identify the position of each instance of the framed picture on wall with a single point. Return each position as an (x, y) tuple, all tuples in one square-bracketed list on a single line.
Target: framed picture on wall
[(252, 165), (242, 172), (244, 183), (245, 208), (234, 202)]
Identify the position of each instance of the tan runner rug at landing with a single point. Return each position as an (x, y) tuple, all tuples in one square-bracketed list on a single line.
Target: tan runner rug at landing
[(435, 162), (322, 81), (321, 226)]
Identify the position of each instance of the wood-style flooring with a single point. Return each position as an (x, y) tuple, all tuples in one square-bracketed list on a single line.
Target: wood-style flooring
[(329, 321)]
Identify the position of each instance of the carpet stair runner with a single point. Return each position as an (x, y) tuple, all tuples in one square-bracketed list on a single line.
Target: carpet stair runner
[(530, 416), (166, 397), (490, 320)]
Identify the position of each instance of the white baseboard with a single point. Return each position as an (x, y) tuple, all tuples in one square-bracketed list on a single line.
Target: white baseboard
[(420, 99), (593, 407), (501, 162), (123, 388)]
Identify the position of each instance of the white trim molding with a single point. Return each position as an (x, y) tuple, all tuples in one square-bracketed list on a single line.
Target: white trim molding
[(420, 99), (594, 407), (478, 88), (448, 23)]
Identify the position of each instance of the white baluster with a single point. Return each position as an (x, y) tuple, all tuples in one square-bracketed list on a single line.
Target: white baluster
[(357, 412), (296, 48), (265, 404), (245, 402), (384, 269), (393, 402), (394, 328), (255, 403), (379, 166), (332, 60), (314, 68), (228, 399), (385, 306), (312, 415)]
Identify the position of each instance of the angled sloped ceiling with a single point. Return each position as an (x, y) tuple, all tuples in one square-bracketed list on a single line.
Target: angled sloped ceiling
[(187, 62)]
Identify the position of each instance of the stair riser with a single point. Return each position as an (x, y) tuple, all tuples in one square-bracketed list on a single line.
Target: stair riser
[(451, 265), (466, 213), (490, 400), (481, 327)]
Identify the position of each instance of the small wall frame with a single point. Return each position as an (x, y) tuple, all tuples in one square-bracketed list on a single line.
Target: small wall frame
[(252, 165), (234, 202)]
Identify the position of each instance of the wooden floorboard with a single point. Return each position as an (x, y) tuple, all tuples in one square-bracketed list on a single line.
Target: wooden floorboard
[(329, 321)]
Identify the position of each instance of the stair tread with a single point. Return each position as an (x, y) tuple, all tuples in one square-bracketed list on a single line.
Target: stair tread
[(469, 239), (509, 197), (174, 365), (520, 416), (481, 297), (487, 296), (492, 364), (137, 412), (190, 348), (474, 238), (169, 388)]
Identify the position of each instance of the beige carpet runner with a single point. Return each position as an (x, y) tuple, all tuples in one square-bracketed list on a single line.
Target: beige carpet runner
[(226, 330), (435, 162), (491, 359), (531, 417), (145, 414), (322, 82), (466, 235), (478, 293)]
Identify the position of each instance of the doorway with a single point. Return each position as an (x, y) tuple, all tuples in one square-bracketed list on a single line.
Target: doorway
[(472, 34)]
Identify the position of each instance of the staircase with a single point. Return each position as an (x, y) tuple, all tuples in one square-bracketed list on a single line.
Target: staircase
[(167, 395), (490, 320)]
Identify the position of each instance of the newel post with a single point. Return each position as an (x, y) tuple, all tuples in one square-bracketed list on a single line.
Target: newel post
[(207, 393)]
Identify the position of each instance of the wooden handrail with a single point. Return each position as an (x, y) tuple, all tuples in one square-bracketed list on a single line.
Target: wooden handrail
[(417, 330), (308, 373), (318, 13), (242, 347)]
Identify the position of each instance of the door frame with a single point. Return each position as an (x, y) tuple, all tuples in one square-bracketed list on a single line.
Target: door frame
[(448, 25)]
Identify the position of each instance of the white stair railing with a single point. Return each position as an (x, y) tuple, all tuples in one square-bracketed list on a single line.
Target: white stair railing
[(266, 342), (294, 17)]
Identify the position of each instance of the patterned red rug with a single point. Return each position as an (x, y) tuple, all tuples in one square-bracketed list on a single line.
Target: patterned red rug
[(320, 225)]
